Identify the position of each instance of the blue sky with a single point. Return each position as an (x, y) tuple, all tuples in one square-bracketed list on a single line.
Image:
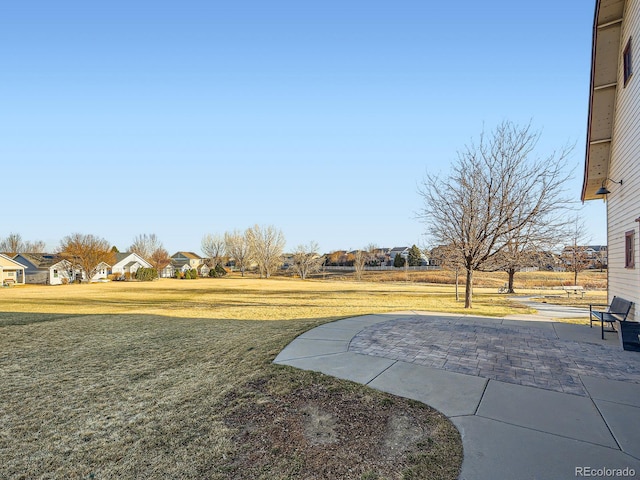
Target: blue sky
[(321, 118)]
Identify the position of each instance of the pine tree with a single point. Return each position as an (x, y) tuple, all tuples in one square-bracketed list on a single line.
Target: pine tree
[(415, 256)]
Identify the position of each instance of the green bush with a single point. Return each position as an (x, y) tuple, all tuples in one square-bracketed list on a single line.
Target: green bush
[(146, 274), (219, 271), (191, 274)]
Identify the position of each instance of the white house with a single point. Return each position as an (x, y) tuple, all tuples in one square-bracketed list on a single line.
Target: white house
[(11, 272), (168, 272), (394, 252), (100, 273), (612, 163), (45, 268), (128, 263), (204, 270)]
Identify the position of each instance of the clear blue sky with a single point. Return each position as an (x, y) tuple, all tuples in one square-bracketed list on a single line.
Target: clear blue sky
[(186, 118)]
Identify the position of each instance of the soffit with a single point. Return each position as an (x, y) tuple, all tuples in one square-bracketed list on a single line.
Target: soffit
[(602, 96)]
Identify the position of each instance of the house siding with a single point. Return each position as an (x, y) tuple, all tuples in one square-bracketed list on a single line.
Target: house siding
[(623, 204), (42, 275), (119, 266)]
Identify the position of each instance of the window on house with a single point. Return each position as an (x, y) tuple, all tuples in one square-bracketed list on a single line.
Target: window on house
[(629, 254), (626, 57), (55, 274)]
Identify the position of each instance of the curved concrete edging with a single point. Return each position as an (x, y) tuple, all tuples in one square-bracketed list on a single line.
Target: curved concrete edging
[(508, 430)]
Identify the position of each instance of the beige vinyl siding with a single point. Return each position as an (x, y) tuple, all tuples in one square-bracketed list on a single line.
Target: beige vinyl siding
[(623, 204)]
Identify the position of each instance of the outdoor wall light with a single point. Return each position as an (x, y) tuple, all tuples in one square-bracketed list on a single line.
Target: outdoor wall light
[(603, 190)]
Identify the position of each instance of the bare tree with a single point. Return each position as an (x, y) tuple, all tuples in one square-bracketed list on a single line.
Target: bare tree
[(213, 247), (237, 247), (523, 247), (36, 246), (494, 189), (13, 244), (575, 256), (145, 244), (448, 257), (406, 269), (371, 250), (306, 260), (359, 260), (149, 247), (86, 252), (266, 245)]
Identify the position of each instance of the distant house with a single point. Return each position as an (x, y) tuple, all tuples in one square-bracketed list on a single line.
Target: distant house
[(168, 272), (190, 260), (548, 261), (612, 169), (11, 272), (101, 272), (45, 268), (181, 262), (591, 256), (380, 256), (185, 267), (599, 255), (128, 263), (402, 251)]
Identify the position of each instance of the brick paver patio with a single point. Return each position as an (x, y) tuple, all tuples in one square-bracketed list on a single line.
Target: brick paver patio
[(515, 354)]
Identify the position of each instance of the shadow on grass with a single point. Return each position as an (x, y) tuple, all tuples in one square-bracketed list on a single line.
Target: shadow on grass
[(128, 396), (19, 318)]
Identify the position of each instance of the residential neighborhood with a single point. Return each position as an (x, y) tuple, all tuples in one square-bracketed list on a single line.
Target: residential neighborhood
[(58, 269)]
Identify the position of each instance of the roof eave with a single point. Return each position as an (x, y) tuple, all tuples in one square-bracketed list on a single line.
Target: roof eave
[(602, 93)]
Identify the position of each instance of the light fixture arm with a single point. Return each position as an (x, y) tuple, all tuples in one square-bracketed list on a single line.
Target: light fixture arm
[(620, 182), (603, 189)]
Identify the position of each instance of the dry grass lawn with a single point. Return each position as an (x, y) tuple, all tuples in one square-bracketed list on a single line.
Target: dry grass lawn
[(173, 379), (239, 298)]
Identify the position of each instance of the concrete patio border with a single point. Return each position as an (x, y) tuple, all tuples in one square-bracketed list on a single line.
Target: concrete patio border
[(508, 430)]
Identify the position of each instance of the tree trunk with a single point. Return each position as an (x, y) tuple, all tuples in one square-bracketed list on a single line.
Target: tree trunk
[(468, 291), (512, 273), (575, 277), (457, 283)]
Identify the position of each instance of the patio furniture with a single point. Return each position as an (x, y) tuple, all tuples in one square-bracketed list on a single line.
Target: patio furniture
[(575, 289), (616, 312)]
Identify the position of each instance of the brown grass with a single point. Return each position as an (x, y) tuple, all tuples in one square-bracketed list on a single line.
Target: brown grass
[(173, 379), (175, 382), (247, 299), (589, 279)]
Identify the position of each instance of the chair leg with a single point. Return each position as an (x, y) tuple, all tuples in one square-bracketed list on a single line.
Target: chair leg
[(602, 327)]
